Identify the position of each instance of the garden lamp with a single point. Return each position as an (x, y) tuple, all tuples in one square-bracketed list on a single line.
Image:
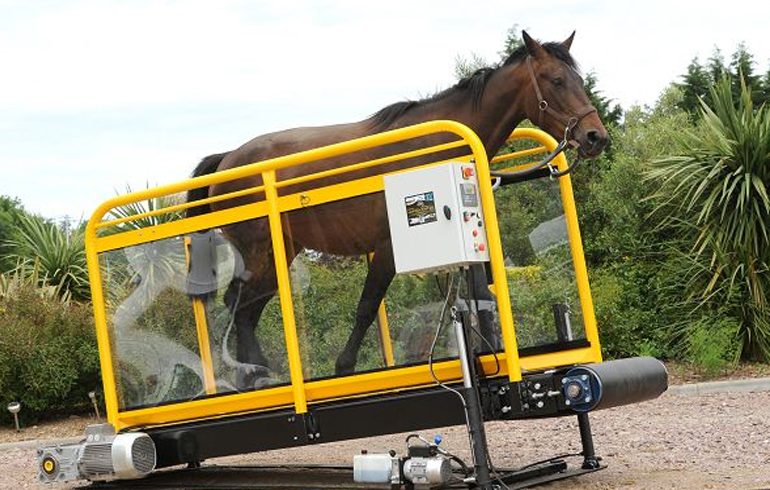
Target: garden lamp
[(15, 408), (92, 396)]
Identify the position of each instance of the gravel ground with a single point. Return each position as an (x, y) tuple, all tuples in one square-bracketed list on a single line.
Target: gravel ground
[(675, 442)]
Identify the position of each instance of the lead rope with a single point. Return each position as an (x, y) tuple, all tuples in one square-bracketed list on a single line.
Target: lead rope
[(554, 170)]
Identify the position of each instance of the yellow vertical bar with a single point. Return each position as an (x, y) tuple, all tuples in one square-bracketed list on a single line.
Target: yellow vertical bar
[(497, 263), (202, 329), (578, 259), (100, 320), (387, 344), (384, 329), (284, 291)]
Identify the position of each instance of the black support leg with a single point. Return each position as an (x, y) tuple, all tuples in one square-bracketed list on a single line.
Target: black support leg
[(590, 461), (478, 437)]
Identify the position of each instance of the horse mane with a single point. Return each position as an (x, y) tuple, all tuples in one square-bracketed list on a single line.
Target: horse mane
[(474, 85)]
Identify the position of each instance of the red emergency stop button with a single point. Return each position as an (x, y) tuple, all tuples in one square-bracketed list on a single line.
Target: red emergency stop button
[(467, 172), (482, 247)]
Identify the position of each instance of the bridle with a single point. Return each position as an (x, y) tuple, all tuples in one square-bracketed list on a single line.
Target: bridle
[(570, 121)]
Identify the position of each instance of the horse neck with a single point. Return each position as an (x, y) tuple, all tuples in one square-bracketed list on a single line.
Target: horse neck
[(502, 107)]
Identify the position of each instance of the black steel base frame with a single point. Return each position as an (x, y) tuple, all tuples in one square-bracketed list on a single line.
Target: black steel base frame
[(356, 418)]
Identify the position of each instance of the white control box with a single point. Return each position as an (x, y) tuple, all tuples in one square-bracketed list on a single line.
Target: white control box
[(435, 216)]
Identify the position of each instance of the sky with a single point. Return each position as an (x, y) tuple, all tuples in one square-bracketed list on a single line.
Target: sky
[(99, 95)]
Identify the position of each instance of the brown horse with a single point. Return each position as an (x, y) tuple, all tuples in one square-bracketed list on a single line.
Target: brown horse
[(539, 82)]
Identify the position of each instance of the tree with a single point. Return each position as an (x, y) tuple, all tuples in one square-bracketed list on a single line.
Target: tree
[(513, 42), (716, 67), (11, 212), (609, 113), (467, 67), (715, 194), (464, 68), (765, 88), (695, 86), (742, 71)]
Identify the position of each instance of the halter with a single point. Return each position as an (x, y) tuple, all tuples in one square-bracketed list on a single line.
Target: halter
[(570, 120)]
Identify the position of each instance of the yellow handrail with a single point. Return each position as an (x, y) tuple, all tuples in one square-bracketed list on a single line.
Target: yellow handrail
[(272, 207)]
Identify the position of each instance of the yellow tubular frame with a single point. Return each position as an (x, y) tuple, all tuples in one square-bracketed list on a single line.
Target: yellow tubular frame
[(584, 355), (301, 393), (383, 329)]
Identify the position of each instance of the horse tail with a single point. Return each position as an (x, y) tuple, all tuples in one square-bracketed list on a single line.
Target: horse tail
[(208, 165)]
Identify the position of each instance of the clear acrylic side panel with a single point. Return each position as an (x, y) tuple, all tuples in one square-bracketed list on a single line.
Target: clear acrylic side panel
[(327, 290), (539, 266), (341, 324), (151, 292)]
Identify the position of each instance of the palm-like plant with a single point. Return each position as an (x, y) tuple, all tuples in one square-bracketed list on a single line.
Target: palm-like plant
[(715, 195), (143, 214), (54, 254), (154, 262), (27, 275)]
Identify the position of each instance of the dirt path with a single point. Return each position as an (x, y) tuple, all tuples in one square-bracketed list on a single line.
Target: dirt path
[(676, 442)]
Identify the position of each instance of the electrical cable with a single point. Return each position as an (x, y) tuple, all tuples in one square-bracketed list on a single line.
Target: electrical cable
[(472, 281), (439, 328)]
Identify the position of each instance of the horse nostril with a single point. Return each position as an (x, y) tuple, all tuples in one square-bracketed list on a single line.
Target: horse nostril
[(596, 139)]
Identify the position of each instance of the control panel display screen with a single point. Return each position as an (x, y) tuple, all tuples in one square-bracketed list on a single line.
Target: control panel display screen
[(468, 195)]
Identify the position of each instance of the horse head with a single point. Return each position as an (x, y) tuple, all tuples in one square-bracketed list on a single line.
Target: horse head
[(559, 104)]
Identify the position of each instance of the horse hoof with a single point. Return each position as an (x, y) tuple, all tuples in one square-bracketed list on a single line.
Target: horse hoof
[(244, 379), (343, 370), (260, 383)]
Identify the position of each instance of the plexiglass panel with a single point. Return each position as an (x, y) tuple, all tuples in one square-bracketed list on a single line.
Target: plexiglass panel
[(327, 293), (539, 267), (161, 345)]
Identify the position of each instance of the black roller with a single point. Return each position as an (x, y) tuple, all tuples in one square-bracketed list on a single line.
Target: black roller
[(613, 383)]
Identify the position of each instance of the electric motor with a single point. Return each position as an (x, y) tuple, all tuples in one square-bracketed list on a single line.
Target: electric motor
[(103, 455), (388, 468), (427, 470)]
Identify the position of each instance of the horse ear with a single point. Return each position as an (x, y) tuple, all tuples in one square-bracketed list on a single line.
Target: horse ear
[(533, 47), (568, 42)]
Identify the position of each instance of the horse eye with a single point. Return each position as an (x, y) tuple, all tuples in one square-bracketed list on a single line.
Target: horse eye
[(558, 82)]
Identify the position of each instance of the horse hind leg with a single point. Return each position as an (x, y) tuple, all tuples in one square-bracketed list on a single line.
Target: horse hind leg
[(378, 279), (245, 305), (247, 300)]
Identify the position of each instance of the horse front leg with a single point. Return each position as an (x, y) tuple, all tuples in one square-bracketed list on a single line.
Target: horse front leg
[(378, 279), (486, 304)]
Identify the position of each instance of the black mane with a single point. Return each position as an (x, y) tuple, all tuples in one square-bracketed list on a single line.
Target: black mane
[(475, 84)]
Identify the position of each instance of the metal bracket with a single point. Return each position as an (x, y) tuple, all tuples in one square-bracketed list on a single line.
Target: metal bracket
[(312, 427)]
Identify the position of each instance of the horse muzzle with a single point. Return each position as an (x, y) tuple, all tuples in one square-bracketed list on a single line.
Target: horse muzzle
[(591, 142)]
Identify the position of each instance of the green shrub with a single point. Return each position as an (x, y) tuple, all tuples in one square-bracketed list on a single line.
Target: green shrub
[(712, 344), (48, 355), (630, 323)]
